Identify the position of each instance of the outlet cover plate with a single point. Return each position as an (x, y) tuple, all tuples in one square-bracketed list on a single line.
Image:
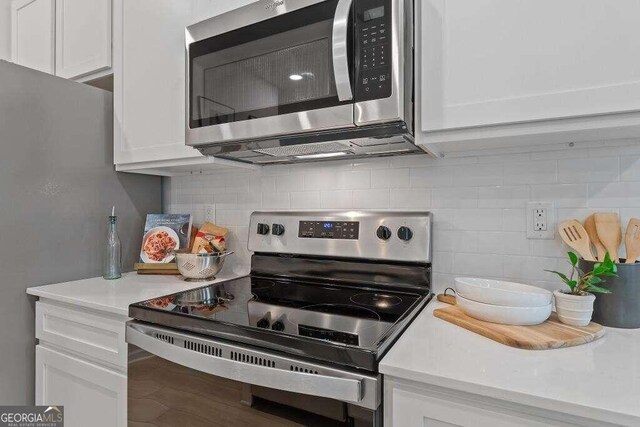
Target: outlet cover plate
[(210, 213), (541, 222)]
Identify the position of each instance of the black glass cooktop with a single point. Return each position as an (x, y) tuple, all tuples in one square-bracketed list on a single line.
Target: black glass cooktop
[(278, 313)]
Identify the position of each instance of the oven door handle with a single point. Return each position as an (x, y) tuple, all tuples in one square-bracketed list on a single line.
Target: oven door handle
[(344, 389), (340, 50)]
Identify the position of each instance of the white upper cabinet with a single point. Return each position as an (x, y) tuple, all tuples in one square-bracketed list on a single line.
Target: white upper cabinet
[(488, 63), (83, 37), (32, 34), (68, 38), (149, 85)]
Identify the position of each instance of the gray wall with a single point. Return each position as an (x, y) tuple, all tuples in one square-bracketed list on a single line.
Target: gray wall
[(57, 186)]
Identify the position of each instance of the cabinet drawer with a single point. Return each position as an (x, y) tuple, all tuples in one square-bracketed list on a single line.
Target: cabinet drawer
[(100, 337)]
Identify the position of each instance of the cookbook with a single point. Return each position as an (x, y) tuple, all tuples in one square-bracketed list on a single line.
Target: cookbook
[(164, 233)]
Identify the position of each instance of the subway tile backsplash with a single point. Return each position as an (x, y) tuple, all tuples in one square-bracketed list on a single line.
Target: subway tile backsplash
[(478, 202)]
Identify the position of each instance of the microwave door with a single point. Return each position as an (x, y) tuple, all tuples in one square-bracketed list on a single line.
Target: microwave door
[(280, 73)]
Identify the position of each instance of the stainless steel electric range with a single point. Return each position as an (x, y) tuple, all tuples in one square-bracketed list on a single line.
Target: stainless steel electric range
[(328, 294)]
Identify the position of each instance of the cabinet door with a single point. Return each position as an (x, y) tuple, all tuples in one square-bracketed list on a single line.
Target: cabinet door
[(83, 37), (32, 34), (91, 395), (408, 404), (413, 409), (149, 78), (488, 62)]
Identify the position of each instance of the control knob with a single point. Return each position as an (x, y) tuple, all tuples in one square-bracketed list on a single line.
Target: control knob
[(263, 229), (277, 229), (405, 233), (263, 323), (278, 325), (383, 233)]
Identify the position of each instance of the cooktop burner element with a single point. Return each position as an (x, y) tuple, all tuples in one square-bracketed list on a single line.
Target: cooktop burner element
[(344, 310), (376, 300), (313, 292)]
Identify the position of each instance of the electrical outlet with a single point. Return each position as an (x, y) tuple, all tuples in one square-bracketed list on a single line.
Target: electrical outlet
[(540, 220), (210, 213)]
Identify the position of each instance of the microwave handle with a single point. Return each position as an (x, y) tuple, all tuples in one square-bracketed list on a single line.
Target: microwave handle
[(340, 51)]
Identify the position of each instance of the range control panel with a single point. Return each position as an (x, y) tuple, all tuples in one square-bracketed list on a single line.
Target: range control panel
[(372, 235), (373, 44), (329, 229)]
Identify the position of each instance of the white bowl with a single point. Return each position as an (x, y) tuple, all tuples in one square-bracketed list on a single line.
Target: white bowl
[(498, 292), (502, 314)]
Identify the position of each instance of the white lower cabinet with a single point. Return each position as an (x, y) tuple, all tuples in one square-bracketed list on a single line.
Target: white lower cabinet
[(81, 364), (408, 404), (91, 394)]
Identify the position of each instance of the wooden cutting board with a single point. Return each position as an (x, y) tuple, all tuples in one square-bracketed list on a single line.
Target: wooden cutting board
[(547, 335)]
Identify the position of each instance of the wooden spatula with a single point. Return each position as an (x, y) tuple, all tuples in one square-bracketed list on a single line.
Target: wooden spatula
[(575, 236), (632, 240), (590, 226), (609, 232)]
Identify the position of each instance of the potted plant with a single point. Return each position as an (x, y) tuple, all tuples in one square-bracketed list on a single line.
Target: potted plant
[(575, 307)]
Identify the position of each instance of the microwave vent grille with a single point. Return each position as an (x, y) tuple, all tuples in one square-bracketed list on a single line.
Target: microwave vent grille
[(303, 149)]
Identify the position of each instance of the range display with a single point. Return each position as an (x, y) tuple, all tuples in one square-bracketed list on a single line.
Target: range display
[(329, 229)]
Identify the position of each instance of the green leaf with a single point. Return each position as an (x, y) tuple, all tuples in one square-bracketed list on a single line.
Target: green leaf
[(598, 289), (562, 276), (573, 258), (596, 279), (572, 284)]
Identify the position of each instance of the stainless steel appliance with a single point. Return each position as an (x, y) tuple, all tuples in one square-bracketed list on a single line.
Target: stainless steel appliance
[(300, 80), (328, 294)]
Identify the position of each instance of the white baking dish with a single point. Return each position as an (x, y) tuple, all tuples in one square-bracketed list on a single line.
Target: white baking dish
[(498, 292), (502, 314)]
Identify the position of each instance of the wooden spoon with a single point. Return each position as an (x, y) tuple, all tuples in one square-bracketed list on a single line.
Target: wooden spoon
[(632, 240), (575, 236), (590, 226), (609, 232)]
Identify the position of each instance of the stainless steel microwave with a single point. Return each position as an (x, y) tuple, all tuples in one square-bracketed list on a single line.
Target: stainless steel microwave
[(297, 80)]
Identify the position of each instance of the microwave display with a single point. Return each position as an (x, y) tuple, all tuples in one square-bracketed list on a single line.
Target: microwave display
[(376, 12)]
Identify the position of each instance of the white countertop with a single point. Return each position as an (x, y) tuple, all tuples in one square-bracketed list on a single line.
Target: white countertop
[(114, 296), (599, 380)]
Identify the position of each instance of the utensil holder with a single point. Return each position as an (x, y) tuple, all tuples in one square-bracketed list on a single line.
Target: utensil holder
[(620, 308)]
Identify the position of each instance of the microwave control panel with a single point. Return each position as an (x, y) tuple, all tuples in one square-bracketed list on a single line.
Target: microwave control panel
[(373, 45)]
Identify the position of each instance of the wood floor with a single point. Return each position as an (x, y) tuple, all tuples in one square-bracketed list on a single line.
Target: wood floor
[(165, 394)]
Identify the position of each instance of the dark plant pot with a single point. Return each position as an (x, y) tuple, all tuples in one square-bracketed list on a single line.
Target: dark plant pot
[(620, 308)]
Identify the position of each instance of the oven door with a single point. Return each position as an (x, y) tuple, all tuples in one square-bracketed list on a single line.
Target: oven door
[(251, 366), (287, 69)]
